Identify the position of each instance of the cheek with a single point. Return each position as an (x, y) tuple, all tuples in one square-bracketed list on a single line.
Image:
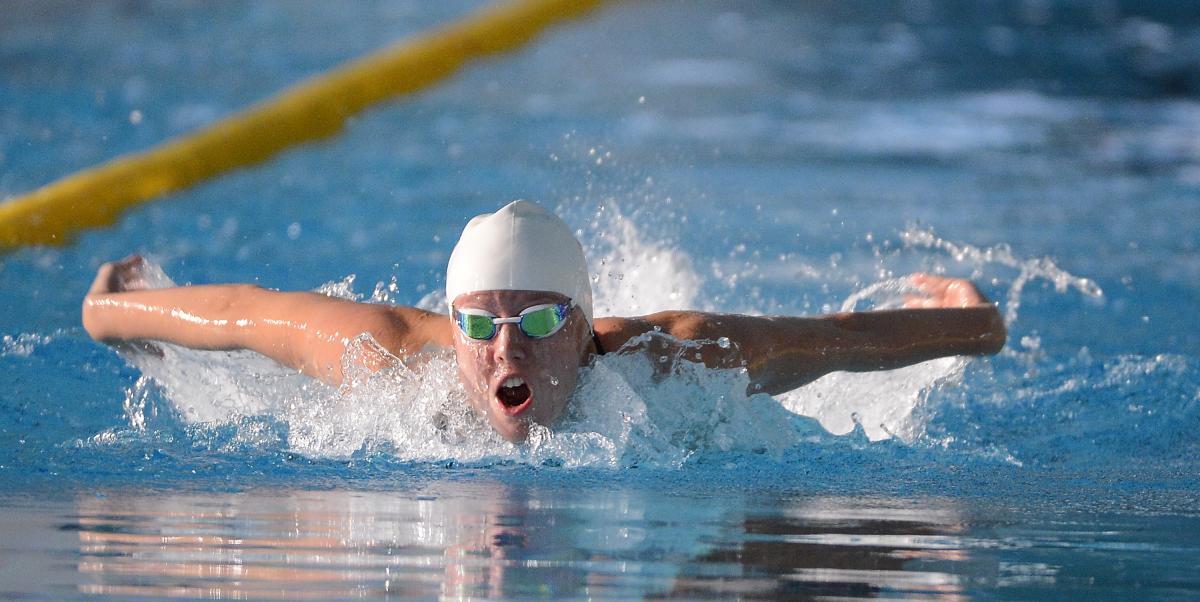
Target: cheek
[(561, 375), (473, 365), (559, 358)]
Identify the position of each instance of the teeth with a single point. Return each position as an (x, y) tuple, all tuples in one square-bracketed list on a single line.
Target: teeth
[(514, 381)]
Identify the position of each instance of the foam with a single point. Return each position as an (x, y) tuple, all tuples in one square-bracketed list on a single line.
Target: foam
[(645, 405)]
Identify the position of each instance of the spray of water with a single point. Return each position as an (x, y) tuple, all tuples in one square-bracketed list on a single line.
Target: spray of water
[(645, 405), (633, 275), (888, 404), (1042, 268)]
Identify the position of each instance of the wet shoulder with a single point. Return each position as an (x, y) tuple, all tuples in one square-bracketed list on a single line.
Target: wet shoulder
[(615, 332), (415, 329)]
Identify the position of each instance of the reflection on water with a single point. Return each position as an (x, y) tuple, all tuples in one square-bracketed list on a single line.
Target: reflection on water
[(492, 540), (837, 547)]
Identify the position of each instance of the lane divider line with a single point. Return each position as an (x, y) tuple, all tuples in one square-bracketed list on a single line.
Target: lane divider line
[(311, 110)]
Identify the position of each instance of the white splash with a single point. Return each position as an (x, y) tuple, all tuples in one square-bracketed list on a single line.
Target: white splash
[(626, 412), (24, 344), (885, 403), (629, 408), (633, 276), (206, 386), (1028, 269)]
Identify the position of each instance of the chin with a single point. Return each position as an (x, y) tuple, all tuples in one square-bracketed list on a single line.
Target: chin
[(513, 433), (515, 429)]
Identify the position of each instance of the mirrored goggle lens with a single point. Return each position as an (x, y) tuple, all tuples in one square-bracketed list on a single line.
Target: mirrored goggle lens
[(542, 322), (538, 322), (476, 327)]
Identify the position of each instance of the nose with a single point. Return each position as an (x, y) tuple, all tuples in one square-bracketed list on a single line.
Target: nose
[(509, 344)]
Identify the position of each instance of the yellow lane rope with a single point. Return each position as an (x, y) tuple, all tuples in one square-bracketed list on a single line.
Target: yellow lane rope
[(311, 110)]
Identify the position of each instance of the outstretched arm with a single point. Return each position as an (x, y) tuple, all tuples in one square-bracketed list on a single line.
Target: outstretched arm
[(783, 353), (305, 331)]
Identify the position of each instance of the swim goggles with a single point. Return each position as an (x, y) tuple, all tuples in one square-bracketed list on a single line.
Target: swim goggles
[(537, 322)]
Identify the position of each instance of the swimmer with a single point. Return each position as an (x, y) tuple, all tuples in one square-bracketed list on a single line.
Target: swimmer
[(519, 319)]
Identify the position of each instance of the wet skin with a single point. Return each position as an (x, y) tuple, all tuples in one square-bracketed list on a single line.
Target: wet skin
[(309, 332), (548, 367)]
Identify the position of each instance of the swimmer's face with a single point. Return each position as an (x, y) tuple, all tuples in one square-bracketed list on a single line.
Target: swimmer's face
[(512, 379)]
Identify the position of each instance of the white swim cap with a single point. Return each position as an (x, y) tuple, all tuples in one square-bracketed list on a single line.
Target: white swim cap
[(520, 247)]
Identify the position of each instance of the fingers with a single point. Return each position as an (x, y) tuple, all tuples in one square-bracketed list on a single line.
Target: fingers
[(928, 283), (933, 287), (103, 283), (117, 276), (944, 292), (917, 302), (962, 293), (128, 273), (133, 261)]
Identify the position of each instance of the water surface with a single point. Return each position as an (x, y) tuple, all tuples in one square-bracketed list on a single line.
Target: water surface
[(762, 158)]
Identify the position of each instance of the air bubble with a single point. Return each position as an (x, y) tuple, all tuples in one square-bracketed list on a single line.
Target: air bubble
[(723, 342)]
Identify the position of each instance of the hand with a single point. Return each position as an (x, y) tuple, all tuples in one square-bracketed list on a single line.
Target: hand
[(118, 276), (943, 293)]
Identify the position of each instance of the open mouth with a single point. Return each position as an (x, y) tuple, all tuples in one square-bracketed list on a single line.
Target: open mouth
[(513, 394)]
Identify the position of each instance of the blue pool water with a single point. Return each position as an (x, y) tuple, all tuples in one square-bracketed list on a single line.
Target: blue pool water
[(757, 157)]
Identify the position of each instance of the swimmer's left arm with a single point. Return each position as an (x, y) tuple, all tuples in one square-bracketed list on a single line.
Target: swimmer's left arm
[(783, 353)]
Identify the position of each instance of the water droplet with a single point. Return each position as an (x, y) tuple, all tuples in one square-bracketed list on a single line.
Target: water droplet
[(554, 380), (758, 386), (662, 359), (723, 342)]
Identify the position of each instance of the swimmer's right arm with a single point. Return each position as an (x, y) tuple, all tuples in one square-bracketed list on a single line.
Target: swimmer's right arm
[(304, 331)]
